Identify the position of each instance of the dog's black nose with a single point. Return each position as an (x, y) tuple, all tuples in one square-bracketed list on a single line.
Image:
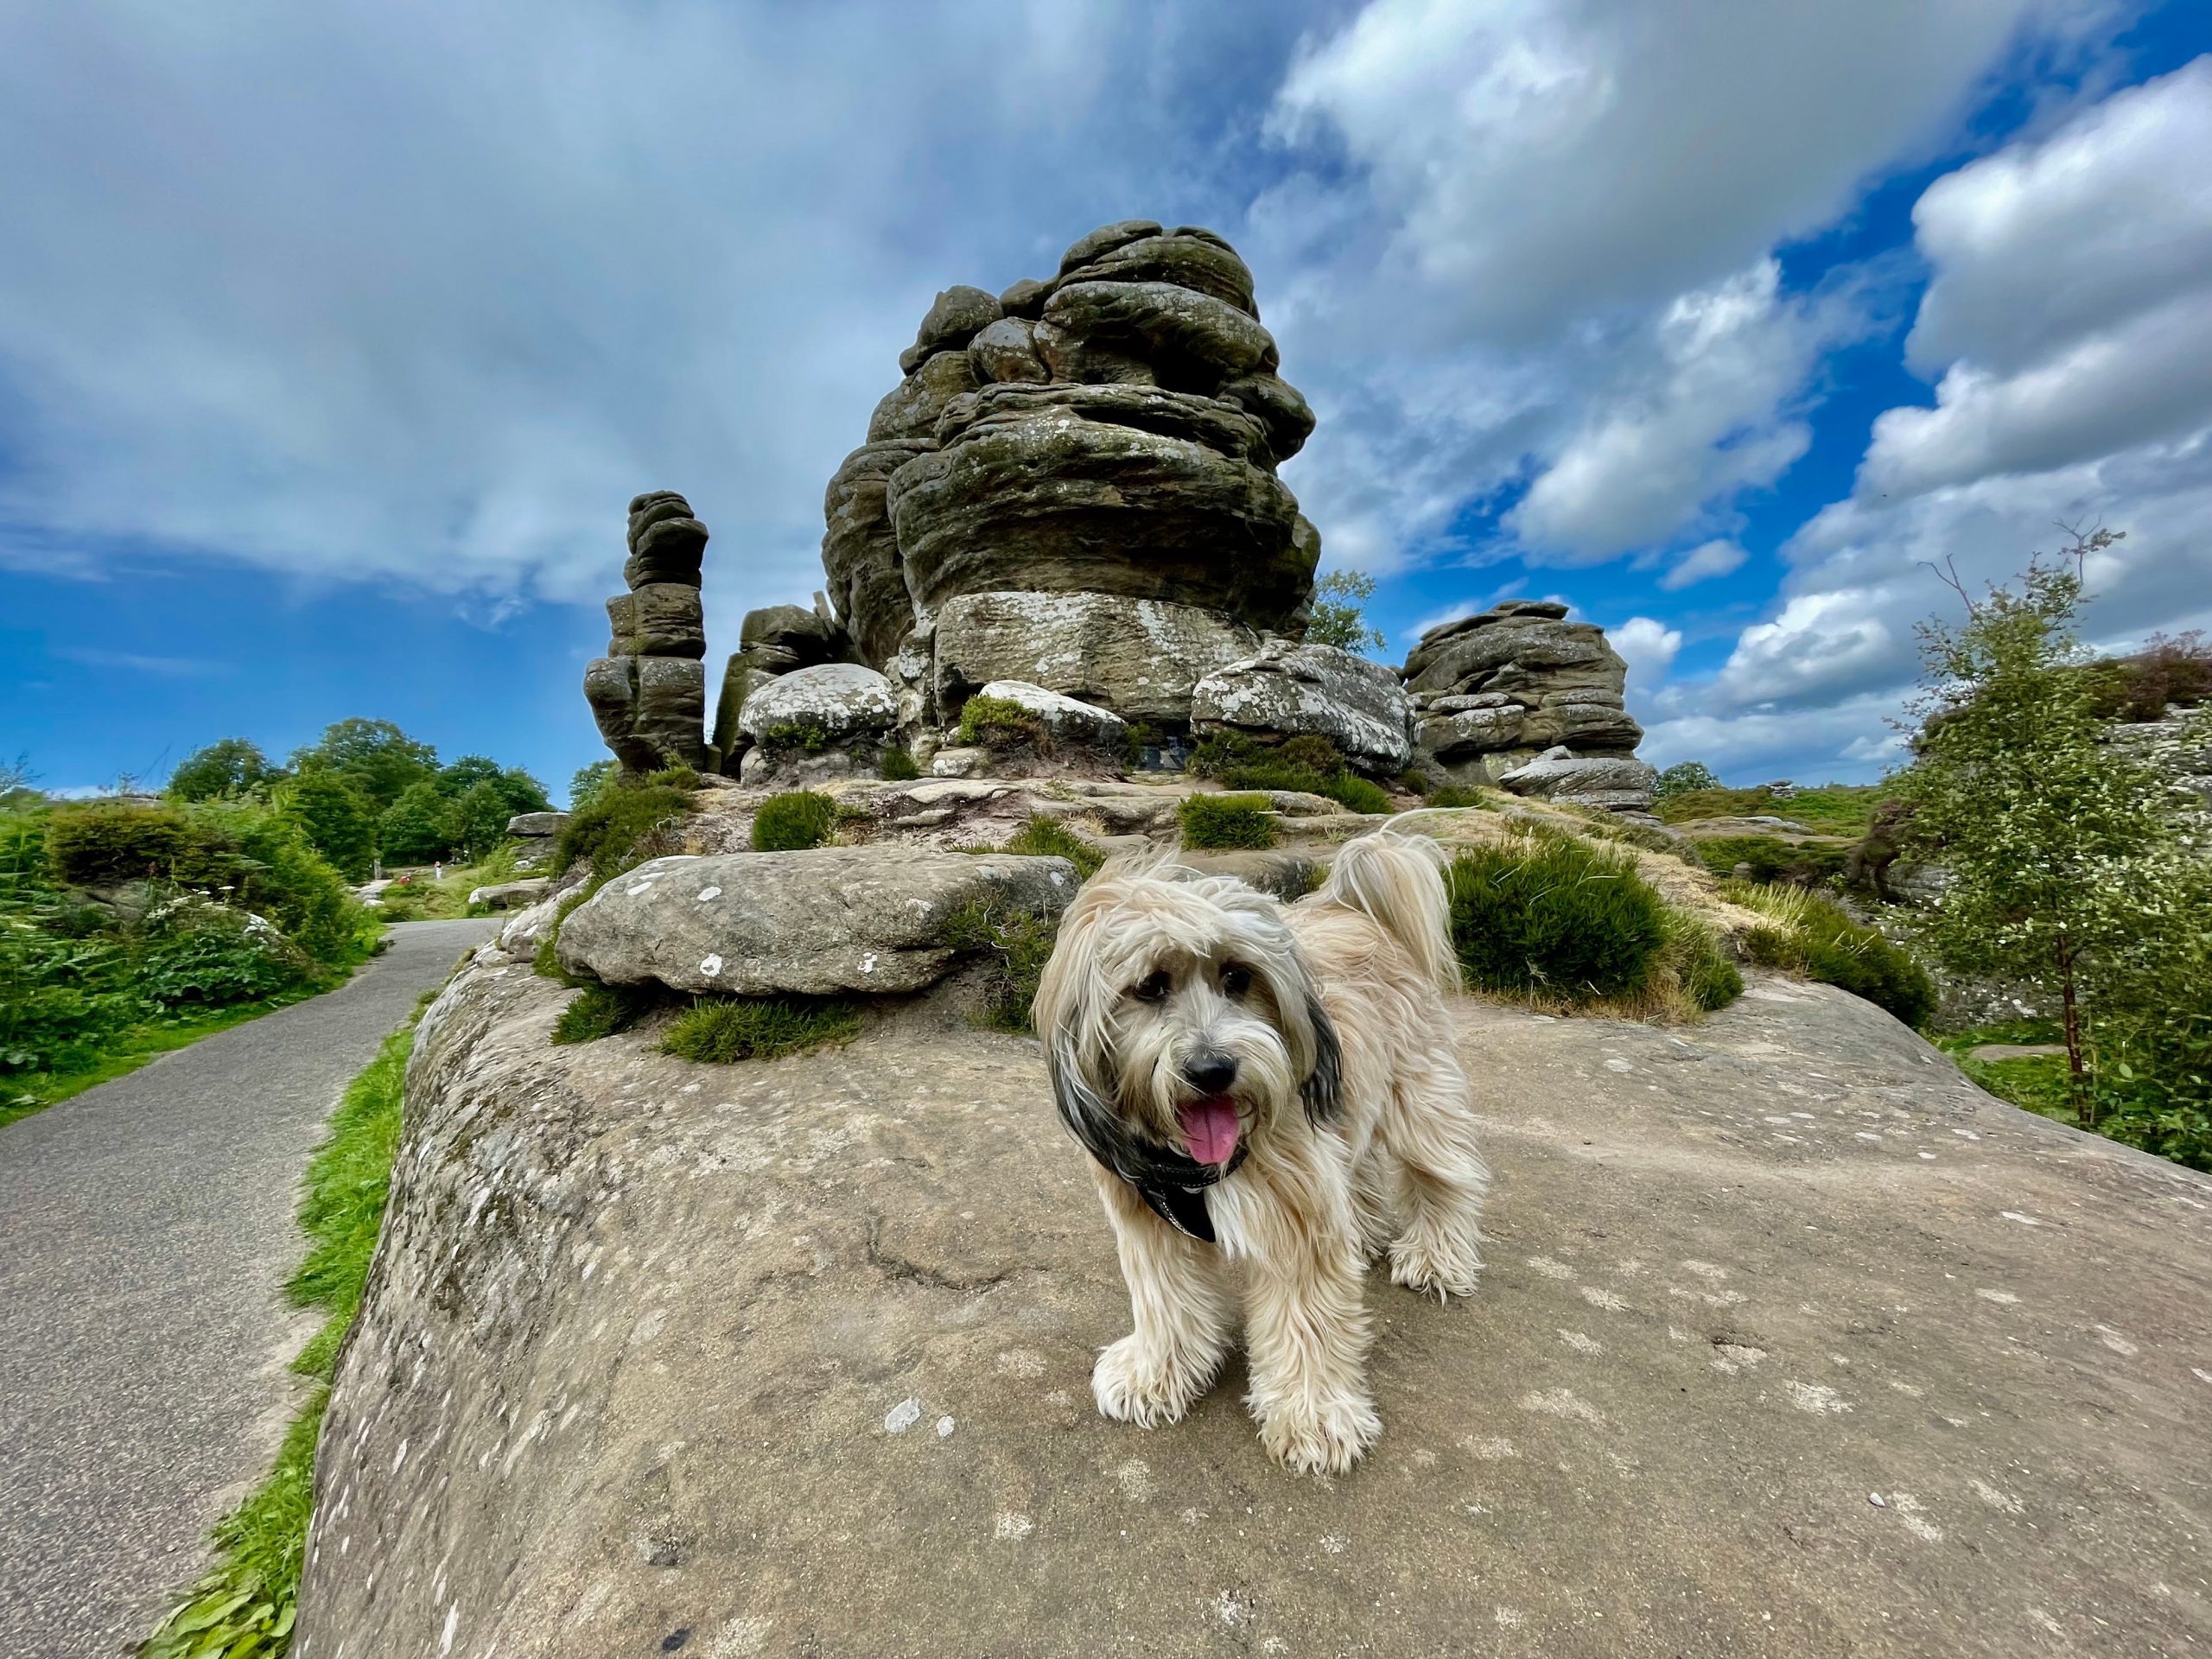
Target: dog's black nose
[(1211, 1074)]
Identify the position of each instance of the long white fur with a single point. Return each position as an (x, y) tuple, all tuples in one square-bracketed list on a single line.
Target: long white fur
[(1394, 1170)]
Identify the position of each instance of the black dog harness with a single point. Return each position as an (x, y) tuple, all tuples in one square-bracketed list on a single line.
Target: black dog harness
[(1174, 1184)]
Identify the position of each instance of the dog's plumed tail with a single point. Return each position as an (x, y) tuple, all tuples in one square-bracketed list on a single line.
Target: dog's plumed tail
[(1395, 880)]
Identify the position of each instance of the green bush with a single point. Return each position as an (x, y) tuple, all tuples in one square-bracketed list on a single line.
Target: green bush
[(213, 956), (796, 736), (336, 819), (720, 1030), (1555, 917), (102, 843), (1811, 937), (1413, 781), (1017, 944), (899, 766), (600, 1011), (1771, 859), (1044, 837), (1708, 977), (1352, 790), (999, 722), (1684, 779), (792, 822), (1227, 821), (614, 828), (1141, 735)]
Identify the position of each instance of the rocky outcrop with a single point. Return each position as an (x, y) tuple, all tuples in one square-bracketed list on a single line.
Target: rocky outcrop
[(1617, 783), (649, 693), (836, 919), (536, 835), (1492, 693), (829, 720), (773, 642), (1310, 690), (1792, 1341), (1108, 435)]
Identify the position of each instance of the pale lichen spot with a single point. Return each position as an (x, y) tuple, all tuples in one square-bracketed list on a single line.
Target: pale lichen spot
[(1490, 1448), (1549, 1268), (1817, 1398), (1562, 1402), (1598, 1296), (902, 1416), (2117, 1343), (2002, 1298), (1580, 1343), (711, 965), (1012, 1524), (1995, 1498), (706, 894)]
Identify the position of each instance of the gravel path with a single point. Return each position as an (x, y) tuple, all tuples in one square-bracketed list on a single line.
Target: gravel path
[(146, 1231)]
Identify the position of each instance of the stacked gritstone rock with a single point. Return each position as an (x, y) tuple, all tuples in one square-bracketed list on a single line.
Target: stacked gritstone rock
[(1074, 487), (1520, 697), (791, 649), (649, 692)]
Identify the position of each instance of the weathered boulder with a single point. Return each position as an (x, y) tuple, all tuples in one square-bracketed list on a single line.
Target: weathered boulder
[(780, 638), (1791, 1342), (667, 549), (1530, 636), (837, 715), (1007, 350), (910, 409), (1297, 690), (818, 923), (661, 619), (1058, 734), (860, 550), (1617, 782), (1112, 430), (1140, 658), (1063, 500), (537, 826), (651, 710), (509, 895), (957, 317)]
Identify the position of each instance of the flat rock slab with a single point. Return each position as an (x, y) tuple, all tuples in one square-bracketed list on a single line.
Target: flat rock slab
[(816, 923), (2016, 1050), (1792, 1342)]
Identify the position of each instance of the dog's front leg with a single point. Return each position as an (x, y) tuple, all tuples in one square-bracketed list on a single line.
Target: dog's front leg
[(1181, 1306), (1306, 1326)]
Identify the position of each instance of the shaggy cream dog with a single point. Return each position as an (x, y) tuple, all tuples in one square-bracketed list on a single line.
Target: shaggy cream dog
[(1272, 1089)]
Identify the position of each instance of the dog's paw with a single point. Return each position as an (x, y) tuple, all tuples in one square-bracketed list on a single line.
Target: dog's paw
[(1433, 1269), (1133, 1386), (1321, 1437)]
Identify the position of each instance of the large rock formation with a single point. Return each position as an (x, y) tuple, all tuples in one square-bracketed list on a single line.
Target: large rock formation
[(1791, 1342), (649, 692), (1520, 696), (1108, 435)]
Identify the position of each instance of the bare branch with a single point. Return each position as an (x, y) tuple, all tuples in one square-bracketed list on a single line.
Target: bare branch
[(1948, 573)]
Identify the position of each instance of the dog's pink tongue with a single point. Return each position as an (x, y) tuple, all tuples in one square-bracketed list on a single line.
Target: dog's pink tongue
[(1210, 1127)]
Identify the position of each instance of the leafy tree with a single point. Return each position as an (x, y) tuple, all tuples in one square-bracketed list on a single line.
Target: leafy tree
[(412, 830), (334, 817), (1684, 777), (374, 756), (458, 778), (18, 783), (477, 822), (230, 766), (1339, 618), (585, 782), (2068, 858)]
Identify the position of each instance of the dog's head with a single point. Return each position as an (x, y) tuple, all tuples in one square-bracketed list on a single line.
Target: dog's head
[(1180, 1023)]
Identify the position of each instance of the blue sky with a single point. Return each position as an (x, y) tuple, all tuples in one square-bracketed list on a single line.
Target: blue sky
[(333, 341)]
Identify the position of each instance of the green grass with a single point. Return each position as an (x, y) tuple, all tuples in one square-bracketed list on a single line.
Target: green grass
[(1311, 765), (600, 1011), (1771, 859), (1227, 821), (1810, 937), (1832, 808), (793, 822), (720, 1030), (628, 821), (244, 1606), (1693, 954), (125, 1051), (899, 766), (2039, 1082), (1555, 917), (1456, 795), (1000, 721), (420, 899), (1044, 837), (1017, 944)]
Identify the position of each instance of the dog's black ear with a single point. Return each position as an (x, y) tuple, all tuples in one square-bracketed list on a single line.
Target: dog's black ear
[(1086, 1113), (1327, 1078)]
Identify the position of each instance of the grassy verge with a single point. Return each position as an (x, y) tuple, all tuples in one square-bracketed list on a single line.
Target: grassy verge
[(1832, 808), (416, 897), (244, 1606), (125, 1051)]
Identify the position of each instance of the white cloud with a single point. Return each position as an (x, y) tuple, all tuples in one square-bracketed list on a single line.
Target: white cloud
[(2069, 314), (1649, 648), (1695, 423), (1702, 563)]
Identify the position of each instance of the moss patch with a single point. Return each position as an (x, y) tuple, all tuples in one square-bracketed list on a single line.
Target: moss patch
[(1215, 822), (721, 1030), (1017, 944), (793, 822), (600, 1011)]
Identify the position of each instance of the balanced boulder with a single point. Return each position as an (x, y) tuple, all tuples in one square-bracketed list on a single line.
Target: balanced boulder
[(1318, 690), (831, 920)]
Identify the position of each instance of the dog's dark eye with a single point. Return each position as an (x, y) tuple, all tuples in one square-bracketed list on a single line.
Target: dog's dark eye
[(1235, 982), (1153, 988)]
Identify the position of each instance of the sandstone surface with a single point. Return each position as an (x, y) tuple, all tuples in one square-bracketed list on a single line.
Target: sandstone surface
[(1791, 1342), (814, 924), (1317, 690)]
